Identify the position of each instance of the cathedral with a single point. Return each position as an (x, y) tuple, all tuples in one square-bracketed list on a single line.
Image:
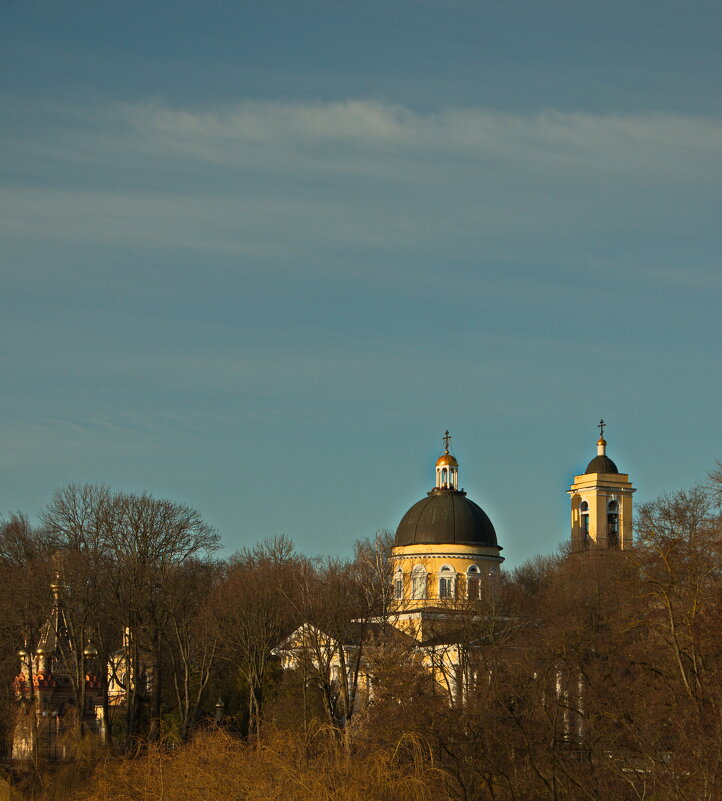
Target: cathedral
[(446, 556), (445, 559), (446, 546)]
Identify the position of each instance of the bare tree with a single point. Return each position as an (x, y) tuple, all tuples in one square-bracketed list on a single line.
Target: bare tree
[(76, 521), (254, 609), (680, 553), (124, 554), (25, 574), (192, 635), (332, 602), (148, 539), (372, 564)]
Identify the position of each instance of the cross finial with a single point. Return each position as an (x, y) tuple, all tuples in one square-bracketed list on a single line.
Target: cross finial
[(601, 425), (447, 437)]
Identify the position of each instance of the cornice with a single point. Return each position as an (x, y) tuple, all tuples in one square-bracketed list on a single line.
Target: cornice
[(599, 488), (470, 556)]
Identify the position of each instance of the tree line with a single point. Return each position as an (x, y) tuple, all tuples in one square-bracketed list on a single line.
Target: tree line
[(582, 676), (141, 583)]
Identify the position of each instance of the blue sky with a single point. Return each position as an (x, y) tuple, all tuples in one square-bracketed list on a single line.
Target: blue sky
[(258, 256)]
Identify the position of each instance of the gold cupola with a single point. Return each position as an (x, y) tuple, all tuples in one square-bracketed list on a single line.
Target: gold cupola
[(447, 468)]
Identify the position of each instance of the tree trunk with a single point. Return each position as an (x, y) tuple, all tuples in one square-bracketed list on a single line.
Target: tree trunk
[(155, 700)]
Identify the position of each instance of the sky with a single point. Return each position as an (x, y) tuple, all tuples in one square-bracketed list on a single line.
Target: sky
[(257, 256)]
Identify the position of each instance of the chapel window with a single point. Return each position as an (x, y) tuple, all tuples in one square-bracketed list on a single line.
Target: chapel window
[(584, 511), (473, 583), (446, 582), (399, 585), (613, 523), (418, 583)]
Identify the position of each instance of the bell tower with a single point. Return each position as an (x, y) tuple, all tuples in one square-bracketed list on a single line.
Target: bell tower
[(601, 504)]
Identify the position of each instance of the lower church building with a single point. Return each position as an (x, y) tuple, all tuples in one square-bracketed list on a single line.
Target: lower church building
[(56, 690)]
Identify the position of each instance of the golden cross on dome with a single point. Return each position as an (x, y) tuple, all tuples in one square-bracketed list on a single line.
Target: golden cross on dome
[(447, 437), (601, 425)]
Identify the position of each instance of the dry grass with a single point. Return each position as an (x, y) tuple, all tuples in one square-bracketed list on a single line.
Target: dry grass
[(285, 766)]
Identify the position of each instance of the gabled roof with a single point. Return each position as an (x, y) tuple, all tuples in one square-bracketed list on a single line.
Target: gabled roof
[(356, 633)]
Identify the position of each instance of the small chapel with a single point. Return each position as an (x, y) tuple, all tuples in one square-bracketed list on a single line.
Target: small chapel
[(51, 680)]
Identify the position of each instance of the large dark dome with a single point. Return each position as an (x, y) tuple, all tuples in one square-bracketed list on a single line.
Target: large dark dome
[(601, 464), (445, 517)]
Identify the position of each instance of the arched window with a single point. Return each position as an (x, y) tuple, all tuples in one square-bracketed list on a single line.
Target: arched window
[(399, 584), (473, 583), (446, 582), (584, 512), (613, 524), (418, 583)]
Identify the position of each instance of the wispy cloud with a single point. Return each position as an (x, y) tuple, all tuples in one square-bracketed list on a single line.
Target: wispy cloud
[(228, 134), (279, 181), (645, 139)]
